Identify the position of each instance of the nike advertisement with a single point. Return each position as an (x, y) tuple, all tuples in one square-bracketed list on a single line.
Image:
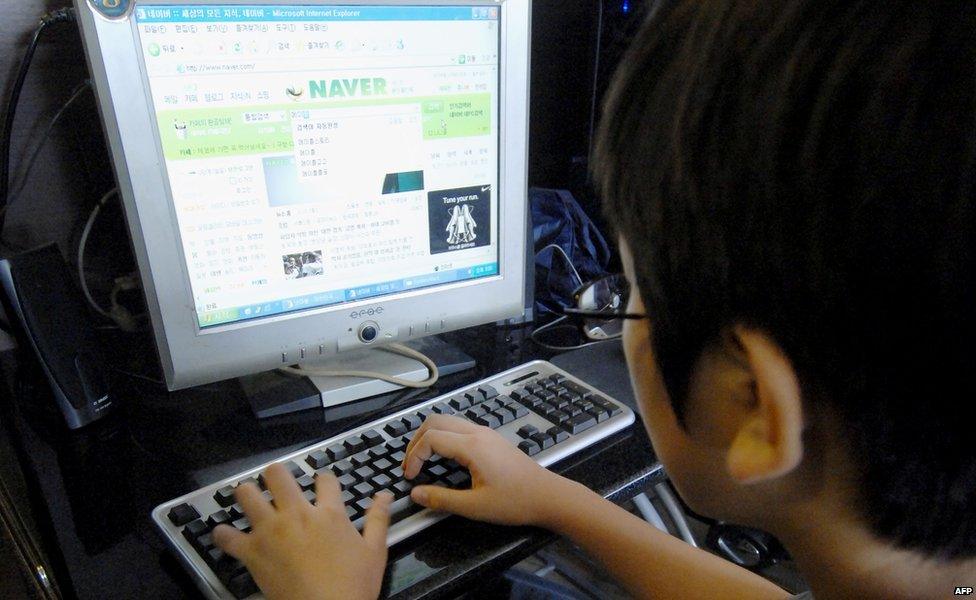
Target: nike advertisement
[(459, 218)]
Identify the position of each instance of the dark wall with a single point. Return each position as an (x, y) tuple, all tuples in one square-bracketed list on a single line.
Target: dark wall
[(563, 45), (576, 46), (72, 171)]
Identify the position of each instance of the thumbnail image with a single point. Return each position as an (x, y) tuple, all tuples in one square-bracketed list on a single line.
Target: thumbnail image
[(397, 183), (180, 127), (303, 264), (459, 218)]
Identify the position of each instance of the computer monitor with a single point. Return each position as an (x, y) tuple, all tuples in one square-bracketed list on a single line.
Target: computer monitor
[(302, 179)]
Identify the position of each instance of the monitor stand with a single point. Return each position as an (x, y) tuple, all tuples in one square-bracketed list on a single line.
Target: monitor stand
[(271, 394)]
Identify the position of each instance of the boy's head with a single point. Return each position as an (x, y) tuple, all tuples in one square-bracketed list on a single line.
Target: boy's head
[(793, 183)]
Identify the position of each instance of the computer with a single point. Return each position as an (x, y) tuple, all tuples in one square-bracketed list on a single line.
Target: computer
[(305, 180)]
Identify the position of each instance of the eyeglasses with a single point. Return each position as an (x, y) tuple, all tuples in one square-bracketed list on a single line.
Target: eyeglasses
[(598, 315), (601, 308)]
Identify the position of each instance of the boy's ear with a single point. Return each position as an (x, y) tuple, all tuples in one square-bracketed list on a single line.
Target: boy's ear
[(769, 442)]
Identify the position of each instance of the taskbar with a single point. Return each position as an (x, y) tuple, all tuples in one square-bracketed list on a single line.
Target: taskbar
[(320, 299)]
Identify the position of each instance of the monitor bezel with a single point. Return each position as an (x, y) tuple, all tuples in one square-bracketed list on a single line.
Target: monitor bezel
[(192, 355)]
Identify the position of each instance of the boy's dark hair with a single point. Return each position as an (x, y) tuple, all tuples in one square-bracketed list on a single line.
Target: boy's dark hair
[(806, 167)]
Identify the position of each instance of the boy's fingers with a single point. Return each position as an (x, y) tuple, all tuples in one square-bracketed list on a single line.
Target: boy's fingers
[(443, 423), (446, 443), (255, 506), (377, 521), (436, 497), (283, 487), (327, 492), (231, 541)]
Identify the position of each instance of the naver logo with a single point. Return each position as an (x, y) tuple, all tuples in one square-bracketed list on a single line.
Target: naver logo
[(347, 88), (366, 312)]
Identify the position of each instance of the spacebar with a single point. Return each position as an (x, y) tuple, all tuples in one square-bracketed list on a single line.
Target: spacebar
[(399, 510)]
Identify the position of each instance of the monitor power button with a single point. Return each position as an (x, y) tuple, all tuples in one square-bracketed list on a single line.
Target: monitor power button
[(368, 332)]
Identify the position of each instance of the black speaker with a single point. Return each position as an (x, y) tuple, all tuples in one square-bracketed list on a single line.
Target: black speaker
[(51, 318)]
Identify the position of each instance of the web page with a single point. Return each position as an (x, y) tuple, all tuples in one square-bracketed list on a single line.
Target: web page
[(325, 154)]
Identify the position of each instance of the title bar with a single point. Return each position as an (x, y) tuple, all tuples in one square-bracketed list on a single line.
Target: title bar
[(279, 13)]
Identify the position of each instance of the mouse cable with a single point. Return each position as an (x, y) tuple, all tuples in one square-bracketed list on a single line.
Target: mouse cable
[(61, 15)]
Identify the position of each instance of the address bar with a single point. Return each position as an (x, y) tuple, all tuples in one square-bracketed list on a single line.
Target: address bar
[(303, 64)]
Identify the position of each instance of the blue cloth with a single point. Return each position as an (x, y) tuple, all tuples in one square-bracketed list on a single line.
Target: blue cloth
[(558, 219)]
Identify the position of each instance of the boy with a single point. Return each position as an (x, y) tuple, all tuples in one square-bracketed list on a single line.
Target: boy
[(793, 185)]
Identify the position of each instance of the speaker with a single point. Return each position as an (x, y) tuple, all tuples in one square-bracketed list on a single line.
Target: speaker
[(51, 318)]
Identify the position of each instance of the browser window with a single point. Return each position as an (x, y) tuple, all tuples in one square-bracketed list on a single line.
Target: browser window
[(317, 155)]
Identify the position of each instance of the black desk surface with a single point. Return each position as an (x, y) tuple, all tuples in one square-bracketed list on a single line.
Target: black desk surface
[(93, 490)]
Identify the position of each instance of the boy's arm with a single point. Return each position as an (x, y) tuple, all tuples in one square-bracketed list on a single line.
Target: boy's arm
[(647, 561), (510, 488)]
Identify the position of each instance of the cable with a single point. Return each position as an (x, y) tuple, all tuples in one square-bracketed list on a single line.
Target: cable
[(22, 181), (671, 505), (393, 348), (125, 320), (81, 253), (119, 314), (141, 377), (649, 513), (569, 261), (61, 15), (594, 98), (8, 122), (553, 348)]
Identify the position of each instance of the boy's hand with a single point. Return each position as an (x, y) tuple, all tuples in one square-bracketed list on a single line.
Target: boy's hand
[(297, 551), (507, 487)]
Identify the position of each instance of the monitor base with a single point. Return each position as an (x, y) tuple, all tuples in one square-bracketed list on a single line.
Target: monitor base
[(273, 394)]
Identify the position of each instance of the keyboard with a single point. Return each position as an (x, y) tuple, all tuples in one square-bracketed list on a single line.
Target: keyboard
[(546, 412)]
